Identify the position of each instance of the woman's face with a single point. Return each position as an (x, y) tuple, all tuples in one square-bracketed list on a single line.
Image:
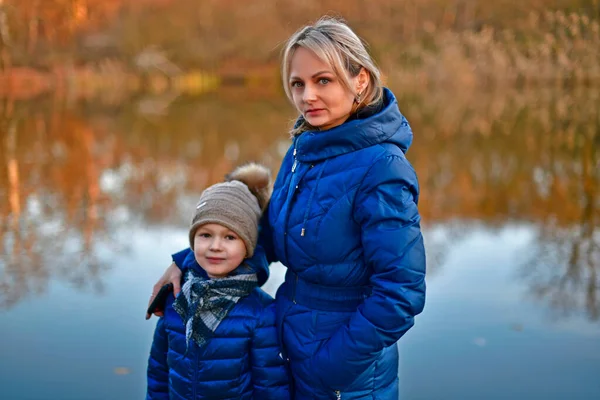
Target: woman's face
[(317, 92)]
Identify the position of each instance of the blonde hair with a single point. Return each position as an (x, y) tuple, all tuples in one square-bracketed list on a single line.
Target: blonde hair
[(335, 43)]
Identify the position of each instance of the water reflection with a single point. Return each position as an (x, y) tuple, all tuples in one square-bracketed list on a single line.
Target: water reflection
[(74, 173), (56, 213), (563, 268), (528, 157)]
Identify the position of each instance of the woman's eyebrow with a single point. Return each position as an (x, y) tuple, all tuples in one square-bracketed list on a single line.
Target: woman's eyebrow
[(294, 77), (321, 72)]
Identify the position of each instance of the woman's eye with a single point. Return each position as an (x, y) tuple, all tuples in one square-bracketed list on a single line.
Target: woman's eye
[(296, 84), (324, 81)]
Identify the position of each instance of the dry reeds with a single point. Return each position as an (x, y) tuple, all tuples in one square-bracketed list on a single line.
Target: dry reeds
[(550, 48)]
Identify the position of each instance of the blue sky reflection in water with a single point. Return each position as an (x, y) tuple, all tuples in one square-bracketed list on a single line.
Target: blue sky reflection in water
[(513, 302), (480, 337)]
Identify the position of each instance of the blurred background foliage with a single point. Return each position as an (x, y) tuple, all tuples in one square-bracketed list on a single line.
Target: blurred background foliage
[(141, 44)]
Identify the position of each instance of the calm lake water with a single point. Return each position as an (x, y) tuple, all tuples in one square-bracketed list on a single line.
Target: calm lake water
[(96, 195)]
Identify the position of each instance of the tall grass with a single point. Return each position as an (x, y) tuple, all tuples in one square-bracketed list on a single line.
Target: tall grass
[(456, 43), (550, 48)]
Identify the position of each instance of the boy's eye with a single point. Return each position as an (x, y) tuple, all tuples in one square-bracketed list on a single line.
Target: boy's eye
[(230, 237), (204, 235)]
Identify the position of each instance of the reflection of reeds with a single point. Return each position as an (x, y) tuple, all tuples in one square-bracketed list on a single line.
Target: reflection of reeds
[(486, 156), (46, 231), (108, 81), (74, 181), (519, 155), (111, 80), (523, 152), (563, 264), (562, 268)]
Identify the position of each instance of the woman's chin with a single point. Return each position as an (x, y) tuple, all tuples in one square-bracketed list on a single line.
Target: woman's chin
[(316, 122), (323, 124)]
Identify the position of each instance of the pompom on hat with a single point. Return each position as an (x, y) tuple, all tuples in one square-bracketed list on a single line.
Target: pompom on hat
[(237, 204)]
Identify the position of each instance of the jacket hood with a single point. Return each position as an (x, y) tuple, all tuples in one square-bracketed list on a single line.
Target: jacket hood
[(388, 126)]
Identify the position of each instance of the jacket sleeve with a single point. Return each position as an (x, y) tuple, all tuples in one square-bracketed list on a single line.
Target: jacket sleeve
[(265, 238), (386, 209), (265, 233), (269, 372), (158, 370), (180, 256)]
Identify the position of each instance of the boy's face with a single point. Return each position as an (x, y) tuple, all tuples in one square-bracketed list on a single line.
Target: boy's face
[(218, 250)]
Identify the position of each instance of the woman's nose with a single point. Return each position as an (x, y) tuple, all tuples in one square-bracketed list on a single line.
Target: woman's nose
[(310, 94)]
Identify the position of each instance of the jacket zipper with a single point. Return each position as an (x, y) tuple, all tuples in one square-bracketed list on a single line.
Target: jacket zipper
[(338, 395), (288, 200), (291, 182), (295, 164)]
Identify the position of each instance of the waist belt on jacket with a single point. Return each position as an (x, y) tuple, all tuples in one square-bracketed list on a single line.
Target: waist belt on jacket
[(323, 297)]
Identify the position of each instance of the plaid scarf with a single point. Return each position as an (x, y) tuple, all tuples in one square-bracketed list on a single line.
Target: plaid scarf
[(204, 303)]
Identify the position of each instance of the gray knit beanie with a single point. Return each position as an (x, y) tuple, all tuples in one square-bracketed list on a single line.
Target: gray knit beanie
[(236, 204)]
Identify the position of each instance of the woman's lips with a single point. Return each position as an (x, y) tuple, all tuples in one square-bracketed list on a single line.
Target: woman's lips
[(314, 112)]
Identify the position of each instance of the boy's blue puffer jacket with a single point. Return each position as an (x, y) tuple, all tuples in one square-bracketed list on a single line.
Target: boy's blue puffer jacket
[(343, 219), (241, 361)]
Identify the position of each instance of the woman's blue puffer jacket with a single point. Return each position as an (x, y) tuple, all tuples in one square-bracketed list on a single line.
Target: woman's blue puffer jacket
[(343, 219), (242, 361)]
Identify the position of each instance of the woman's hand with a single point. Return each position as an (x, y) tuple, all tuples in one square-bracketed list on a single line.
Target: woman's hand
[(171, 275)]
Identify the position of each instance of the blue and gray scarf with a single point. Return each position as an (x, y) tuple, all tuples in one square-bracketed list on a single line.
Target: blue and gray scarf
[(203, 303)]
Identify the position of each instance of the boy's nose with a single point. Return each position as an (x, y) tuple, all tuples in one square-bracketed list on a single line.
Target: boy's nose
[(215, 244)]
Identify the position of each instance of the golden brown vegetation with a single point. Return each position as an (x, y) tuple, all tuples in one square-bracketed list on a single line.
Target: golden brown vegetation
[(550, 49), (450, 42)]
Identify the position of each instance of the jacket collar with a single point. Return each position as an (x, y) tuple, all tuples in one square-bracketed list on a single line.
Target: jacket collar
[(189, 262), (356, 134)]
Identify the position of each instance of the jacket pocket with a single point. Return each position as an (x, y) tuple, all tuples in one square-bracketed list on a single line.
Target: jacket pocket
[(327, 323), (299, 334)]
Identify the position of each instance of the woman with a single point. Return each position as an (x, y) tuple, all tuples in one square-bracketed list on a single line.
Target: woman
[(343, 219)]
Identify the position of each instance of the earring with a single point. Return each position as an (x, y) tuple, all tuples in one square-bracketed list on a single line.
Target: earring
[(357, 98)]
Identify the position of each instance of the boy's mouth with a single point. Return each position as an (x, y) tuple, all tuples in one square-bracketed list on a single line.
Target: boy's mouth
[(215, 260)]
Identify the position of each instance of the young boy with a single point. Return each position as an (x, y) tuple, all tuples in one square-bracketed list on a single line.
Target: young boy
[(217, 339)]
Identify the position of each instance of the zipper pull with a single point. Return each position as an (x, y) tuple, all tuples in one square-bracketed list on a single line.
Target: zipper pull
[(338, 395), (295, 161)]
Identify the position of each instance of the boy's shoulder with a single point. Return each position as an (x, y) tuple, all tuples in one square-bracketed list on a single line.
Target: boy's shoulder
[(257, 304), (260, 298)]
